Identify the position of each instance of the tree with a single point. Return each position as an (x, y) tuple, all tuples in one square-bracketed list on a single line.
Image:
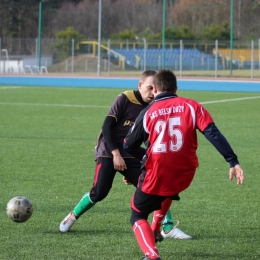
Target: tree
[(184, 33), (19, 18), (215, 32), (127, 34), (64, 46), (171, 33)]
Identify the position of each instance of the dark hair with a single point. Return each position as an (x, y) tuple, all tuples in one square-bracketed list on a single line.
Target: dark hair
[(147, 73), (165, 80)]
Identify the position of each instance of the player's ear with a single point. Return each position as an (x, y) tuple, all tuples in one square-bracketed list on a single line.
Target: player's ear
[(139, 84), (176, 89)]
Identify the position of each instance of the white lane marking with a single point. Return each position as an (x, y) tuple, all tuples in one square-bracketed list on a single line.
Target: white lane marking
[(94, 106)]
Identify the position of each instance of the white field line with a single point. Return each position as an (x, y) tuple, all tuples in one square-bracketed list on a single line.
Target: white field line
[(52, 105), (10, 87), (228, 100), (94, 106)]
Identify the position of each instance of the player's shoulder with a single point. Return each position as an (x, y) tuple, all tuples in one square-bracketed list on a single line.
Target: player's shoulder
[(130, 95), (121, 97), (188, 100)]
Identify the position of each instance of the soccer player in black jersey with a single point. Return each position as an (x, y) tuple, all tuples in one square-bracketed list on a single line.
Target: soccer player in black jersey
[(111, 157)]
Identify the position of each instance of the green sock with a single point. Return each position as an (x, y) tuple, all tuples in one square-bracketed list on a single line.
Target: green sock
[(167, 223), (84, 205)]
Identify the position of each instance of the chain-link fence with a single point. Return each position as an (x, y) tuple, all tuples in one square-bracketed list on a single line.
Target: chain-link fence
[(195, 58), (22, 22)]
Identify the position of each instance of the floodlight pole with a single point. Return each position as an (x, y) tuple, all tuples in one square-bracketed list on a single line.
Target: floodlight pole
[(259, 54), (231, 33), (108, 59), (99, 35), (144, 40), (1, 48), (216, 58), (163, 33), (39, 33)]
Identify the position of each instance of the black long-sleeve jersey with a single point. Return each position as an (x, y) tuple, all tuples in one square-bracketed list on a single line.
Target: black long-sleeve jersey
[(121, 116)]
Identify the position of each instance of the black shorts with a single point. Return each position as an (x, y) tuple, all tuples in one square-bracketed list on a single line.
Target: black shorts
[(143, 204), (105, 174)]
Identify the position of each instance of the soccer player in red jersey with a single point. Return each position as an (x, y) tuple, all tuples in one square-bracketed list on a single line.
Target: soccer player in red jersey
[(169, 127), (111, 157)]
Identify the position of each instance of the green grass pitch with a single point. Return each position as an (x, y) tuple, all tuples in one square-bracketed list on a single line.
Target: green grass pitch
[(47, 140)]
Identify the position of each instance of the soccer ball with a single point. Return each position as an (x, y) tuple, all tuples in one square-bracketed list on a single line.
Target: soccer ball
[(19, 209)]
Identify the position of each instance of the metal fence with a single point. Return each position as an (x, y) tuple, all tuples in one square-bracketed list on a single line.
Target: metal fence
[(189, 58)]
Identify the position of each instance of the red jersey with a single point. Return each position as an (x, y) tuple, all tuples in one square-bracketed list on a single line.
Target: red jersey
[(170, 125)]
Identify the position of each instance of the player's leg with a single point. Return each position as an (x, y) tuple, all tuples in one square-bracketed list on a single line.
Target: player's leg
[(168, 223), (159, 215), (169, 228), (103, 179), (142, 205), (145, 238), (133, 170)]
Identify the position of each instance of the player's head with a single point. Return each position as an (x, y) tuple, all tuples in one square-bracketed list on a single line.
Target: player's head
[(164, 81), (145, 85)]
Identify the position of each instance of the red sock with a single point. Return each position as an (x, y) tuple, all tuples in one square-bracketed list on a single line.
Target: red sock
[(159, 215), (145, 238)]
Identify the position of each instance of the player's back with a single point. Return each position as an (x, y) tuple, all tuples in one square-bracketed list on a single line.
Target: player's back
[(172, 160)]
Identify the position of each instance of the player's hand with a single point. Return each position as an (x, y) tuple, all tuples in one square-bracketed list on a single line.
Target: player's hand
[(238, 173), (126, 181), (119, 163)]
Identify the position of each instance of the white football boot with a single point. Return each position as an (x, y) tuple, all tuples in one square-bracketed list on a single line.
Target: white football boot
[(67, 223), (175, 233)]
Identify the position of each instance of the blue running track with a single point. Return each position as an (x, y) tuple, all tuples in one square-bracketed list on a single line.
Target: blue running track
[(128, 83)]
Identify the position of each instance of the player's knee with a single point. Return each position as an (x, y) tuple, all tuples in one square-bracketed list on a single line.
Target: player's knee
[(135, 216), (132, 178), (98, 196), (132, 220)]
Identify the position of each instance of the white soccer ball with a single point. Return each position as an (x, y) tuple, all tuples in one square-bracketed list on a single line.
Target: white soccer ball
[(19, 209)]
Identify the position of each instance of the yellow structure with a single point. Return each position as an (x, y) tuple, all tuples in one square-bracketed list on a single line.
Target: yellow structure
[(240, 55), (94, 44)]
